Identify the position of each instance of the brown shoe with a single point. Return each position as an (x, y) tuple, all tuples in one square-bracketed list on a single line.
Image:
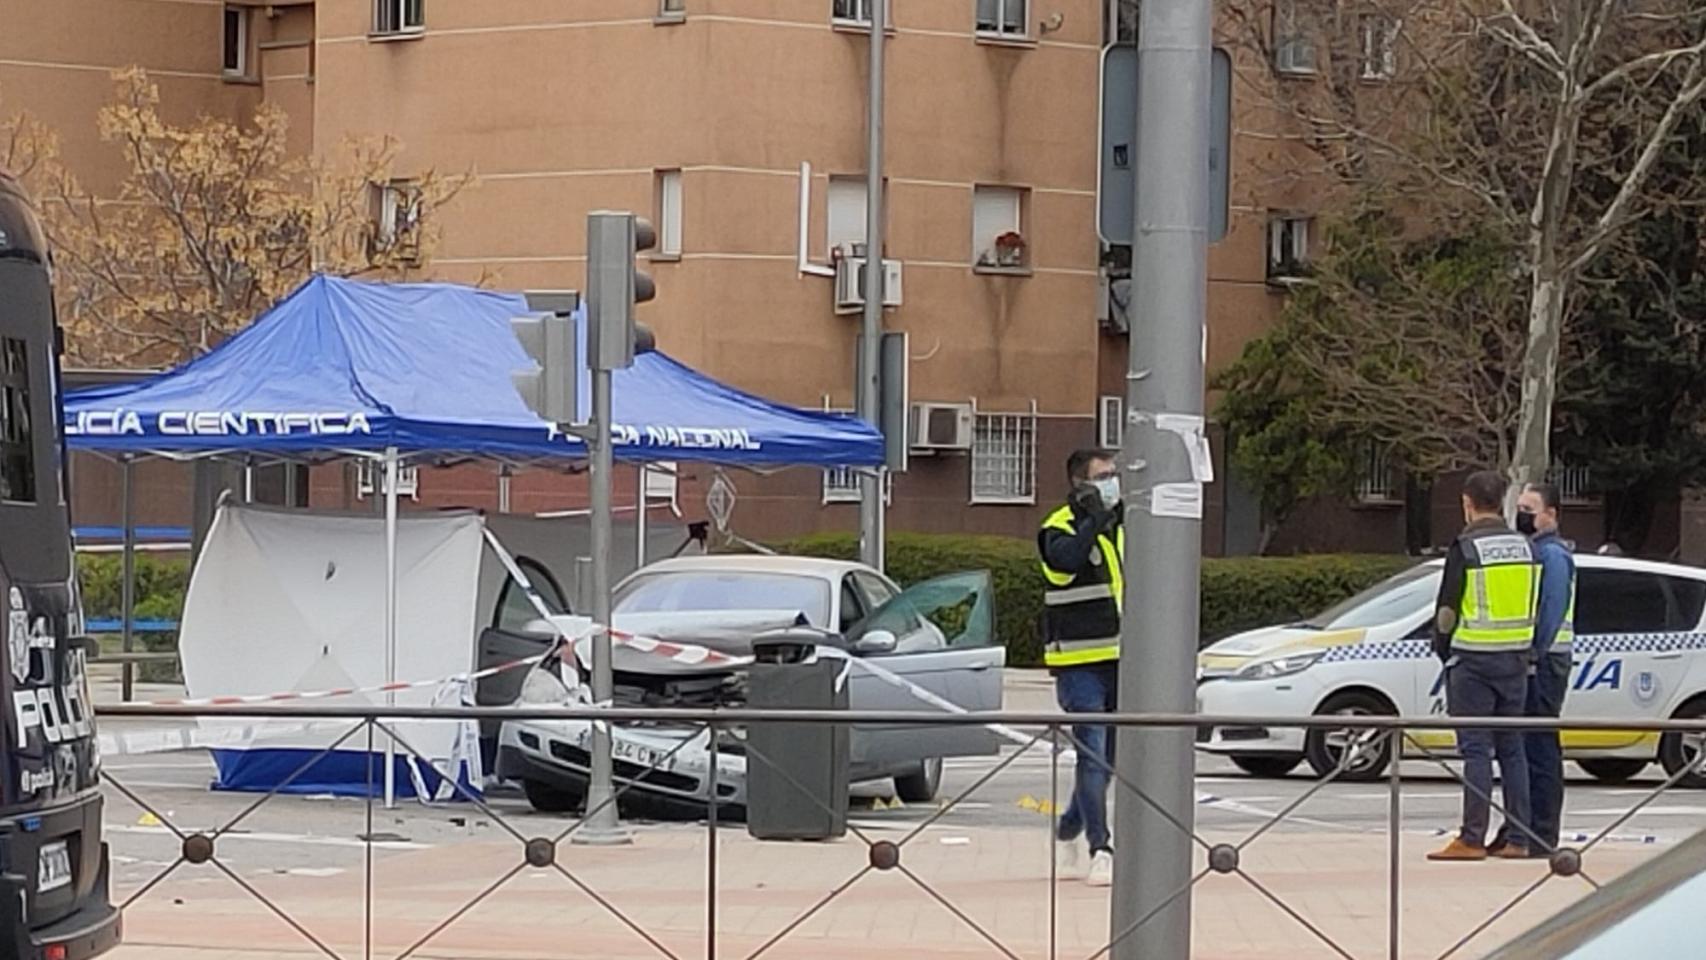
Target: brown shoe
[(1457, 850), (1510, 851)]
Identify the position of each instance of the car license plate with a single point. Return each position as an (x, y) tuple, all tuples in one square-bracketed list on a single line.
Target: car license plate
[(55, 869), (626, 750)]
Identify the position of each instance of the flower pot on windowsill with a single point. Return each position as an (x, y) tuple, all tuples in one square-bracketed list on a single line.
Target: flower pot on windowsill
[(1009, 251)]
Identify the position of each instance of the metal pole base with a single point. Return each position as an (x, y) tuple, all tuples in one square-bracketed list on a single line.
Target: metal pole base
[(599, 835)]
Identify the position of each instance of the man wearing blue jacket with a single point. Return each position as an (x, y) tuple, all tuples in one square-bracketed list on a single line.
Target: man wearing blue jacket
[(1554, 630)]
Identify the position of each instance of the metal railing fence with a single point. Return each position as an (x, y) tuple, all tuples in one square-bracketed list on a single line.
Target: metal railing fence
[(540, 850)]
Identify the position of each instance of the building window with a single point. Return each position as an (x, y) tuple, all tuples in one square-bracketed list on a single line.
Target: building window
[(857, 13), (236, 47), (17, 433), (370, 477), (672, 9), (1003, 18), (399, 16), (1119, 21), (1379, 47), (1004, 458), (1376, 480), (1110, 422), (1575, 484), (846, 214), (1288, 248), (669, 213), (841, 485), (998, 236), (1294, 48), (396, 212)]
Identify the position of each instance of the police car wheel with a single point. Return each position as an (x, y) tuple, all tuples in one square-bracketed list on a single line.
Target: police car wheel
[(1323, 748), (1677, 751), (1612, 770), (1267, 766)]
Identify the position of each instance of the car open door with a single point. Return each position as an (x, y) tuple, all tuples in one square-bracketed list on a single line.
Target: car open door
[(939, 637)]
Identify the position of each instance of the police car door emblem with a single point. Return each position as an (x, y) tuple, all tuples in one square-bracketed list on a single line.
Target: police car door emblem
[(18, 636), (1646, 687)]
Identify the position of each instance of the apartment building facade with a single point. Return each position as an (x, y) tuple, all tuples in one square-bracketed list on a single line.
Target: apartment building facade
[(738, 126)]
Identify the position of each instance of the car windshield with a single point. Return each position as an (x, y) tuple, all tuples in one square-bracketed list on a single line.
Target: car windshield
[(1391, 599), (682, 590)]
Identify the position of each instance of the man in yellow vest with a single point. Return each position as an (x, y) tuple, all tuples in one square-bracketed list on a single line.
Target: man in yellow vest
[(1484, 631), (1083, 551)]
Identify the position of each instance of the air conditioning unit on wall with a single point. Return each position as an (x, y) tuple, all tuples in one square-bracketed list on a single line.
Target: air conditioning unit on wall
[(941, 426), (850, 284)]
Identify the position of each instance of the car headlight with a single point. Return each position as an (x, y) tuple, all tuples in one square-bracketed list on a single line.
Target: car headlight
[(1278, 666), (543, 688)]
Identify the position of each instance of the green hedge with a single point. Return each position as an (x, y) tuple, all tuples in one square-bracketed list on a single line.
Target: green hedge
[(1238, 593), (160, 585)]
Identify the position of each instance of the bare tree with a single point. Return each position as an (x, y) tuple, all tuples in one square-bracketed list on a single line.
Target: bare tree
[(213, 223), (1504, 105)]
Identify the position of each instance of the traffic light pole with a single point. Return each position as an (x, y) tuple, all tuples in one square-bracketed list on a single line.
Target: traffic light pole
[(603, 826), (867, 395), (1163, 469)]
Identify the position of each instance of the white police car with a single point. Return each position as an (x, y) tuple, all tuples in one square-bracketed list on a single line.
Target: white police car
[(1640, 653)]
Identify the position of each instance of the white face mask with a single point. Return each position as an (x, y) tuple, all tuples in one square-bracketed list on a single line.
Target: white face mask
[(1109, 488)]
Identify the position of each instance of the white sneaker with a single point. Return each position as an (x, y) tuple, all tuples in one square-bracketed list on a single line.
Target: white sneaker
[(1066, 857), (1101, 869)]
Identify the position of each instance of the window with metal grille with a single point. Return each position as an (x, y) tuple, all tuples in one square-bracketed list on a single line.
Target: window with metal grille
[(399, 16), (17, 432), (1003, 18), (1294, 46), (1376, 480), (370, 478), (1575, 484), (859, 12), (1379, 46), (1004, 458)]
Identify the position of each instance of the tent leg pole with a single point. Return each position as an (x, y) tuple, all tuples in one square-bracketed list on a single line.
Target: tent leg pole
[(390, 618), (128, 601), (640, 505), (503, 488), (248, 483)]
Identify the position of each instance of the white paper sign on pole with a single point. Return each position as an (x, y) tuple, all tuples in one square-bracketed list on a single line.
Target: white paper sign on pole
[(1182, 500)]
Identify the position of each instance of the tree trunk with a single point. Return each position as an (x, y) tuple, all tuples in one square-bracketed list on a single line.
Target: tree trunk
[(1533, 454)]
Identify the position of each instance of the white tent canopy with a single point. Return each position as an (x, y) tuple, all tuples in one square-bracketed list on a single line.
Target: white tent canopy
[(290, 601)]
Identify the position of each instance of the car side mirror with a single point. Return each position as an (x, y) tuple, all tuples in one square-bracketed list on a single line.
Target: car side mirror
[(876, 642)]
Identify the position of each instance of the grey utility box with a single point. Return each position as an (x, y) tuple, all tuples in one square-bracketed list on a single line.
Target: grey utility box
[(796, 773)]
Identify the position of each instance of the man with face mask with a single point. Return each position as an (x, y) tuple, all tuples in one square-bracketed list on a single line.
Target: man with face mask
[(1083, 550), (1549, 677)]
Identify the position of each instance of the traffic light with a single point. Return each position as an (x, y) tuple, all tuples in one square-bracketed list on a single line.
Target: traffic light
[(550, 386), (614, 285)]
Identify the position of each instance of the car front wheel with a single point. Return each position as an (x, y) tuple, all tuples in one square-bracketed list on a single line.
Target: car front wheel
[(921, 785), (1324, 748), (1268, 766)]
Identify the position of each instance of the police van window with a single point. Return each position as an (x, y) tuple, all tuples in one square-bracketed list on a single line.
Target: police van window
[(17, 434), (1687, 600), (1623, 601)]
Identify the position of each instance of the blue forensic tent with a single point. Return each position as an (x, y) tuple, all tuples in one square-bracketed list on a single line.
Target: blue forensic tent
[(396, 371), (344, 367)]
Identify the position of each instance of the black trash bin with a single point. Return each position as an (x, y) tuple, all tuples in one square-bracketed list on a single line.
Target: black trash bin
[(796, 773)]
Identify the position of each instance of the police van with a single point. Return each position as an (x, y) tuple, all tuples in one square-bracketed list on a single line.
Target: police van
[(1640, 654), (53, 864)]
